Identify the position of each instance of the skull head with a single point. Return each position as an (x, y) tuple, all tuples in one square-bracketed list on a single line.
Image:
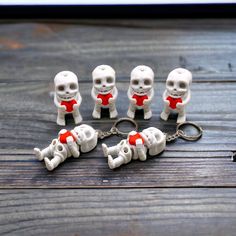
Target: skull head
[(142, 78), (178, 82), (66, 85), (86, 137), (104, 79)]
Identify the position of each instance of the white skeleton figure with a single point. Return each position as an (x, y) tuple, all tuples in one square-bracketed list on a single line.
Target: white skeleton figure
[(69, 143), (141, 92), (67, 96), (135, 147), (177, 93), (104, 91)]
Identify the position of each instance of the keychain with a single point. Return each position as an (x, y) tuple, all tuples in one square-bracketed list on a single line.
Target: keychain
[(82, 138), (151, 140)]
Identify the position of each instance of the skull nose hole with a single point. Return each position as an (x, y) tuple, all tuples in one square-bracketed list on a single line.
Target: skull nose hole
[(104, 86), (67, 92), (140, 87)]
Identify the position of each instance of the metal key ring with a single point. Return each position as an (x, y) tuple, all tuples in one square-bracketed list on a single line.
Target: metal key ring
[(184, 136), (114, 127)]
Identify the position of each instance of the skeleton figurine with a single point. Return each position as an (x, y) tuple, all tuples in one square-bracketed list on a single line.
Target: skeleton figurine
[(104, 91), (135, 147), (177, 93), (69, 143), (141, 92), (67, 96)]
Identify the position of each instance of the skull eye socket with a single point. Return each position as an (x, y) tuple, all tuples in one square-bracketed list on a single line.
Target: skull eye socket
[(61, 88), (109, 80), (182, 85), (135, 82), (147, 82), (170, 83), (98, 81), (73, 86)]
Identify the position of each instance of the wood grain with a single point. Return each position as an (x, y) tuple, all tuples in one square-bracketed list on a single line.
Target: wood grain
[(83, 196), (180, 212)]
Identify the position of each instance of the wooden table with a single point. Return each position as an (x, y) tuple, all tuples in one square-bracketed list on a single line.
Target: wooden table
[(188, 190)]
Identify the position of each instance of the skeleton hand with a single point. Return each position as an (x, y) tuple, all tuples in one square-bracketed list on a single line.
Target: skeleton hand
[(111, 100), (139, 143), (179, 105), (146, 102), (62, 108), (76, 106), (99, 101), (167, 102), (133, 101)]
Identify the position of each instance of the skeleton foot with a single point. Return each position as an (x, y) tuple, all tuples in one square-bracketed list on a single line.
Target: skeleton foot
[(96, 114), (130, 114), (147, 115), (38, 154), (105, 149), (113, 114), (61, 121), (164, 116), (48, 164), (181, 118), (111, 163)]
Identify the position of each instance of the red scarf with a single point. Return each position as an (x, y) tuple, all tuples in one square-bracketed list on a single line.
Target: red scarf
[(105, 98), (133, 138), (173, 101), (139, 99), (65, 135), (69, 105)]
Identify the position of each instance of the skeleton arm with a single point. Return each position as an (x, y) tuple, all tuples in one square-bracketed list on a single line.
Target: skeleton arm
[(72, 147), (115, 93), (78, 99), (187, 98), (58, 105)]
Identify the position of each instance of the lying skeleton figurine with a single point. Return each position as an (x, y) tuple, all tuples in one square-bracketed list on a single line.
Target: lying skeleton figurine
[(69, 143), (136, 146)]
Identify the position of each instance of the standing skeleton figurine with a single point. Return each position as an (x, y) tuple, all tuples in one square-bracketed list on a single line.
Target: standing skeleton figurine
[(67, 96), (141, 92), (177, 93), (104, 91), (69, 143), (135, 147)]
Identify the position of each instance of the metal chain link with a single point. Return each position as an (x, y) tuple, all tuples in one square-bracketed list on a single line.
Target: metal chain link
[(105, 134), (172, 137)]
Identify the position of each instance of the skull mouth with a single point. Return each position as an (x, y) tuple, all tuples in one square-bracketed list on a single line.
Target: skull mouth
[(104, 90), (140, 92), (67, 97), (176, 94)]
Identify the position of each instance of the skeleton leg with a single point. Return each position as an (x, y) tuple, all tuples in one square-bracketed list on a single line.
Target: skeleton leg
[(59, 155), (46, 152), (166, 112), (113, 111), (53, 163), (147, 112), (97, 111), (131, 111), (61, 118), (124, 157), (77, 116), (113, 151), (181, 116)]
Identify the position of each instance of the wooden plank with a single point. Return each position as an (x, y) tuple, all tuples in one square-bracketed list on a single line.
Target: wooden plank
[(179, 212), (169, 170), (37, 51)]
